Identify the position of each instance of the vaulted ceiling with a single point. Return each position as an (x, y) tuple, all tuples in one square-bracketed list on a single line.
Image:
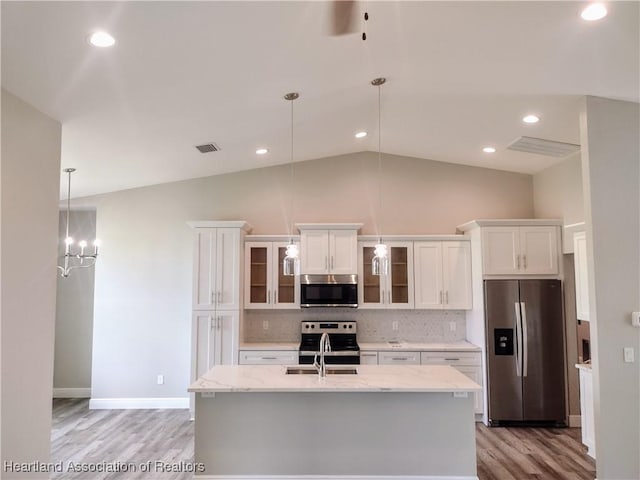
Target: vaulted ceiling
[(460, 76)]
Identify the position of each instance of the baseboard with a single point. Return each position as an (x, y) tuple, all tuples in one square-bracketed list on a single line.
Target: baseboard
[(575, 421), (72, 393), (333, 477), (137, 403)]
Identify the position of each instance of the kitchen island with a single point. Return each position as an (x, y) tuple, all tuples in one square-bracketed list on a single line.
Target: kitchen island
[(386, 420)]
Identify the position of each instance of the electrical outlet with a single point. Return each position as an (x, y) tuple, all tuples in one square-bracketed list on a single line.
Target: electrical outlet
[(629, 355), (452, 326), (394, 325), (635, 319), (265, 324), (160, 379)]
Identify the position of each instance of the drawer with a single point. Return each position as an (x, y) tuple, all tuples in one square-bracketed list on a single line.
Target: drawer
[(268, 357), (450, 358), (368, 358), (399, 358)]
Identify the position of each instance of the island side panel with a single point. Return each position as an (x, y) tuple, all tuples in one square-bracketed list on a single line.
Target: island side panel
[(294, 433)]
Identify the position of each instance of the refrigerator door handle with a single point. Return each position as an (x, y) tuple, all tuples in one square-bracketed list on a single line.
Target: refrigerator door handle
[(518, 341), (525, 335)]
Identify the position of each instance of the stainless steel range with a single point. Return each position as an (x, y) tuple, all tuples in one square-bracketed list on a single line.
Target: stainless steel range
[(342, 340)]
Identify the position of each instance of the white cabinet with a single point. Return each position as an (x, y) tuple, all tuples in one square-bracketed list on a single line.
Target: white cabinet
[(586, 409), (216, 269), (398, 358), (580, 266), (393, 290), (331, 250), (520, 250), (266, 286), (268, 357), (442, 273), (368, 358), (468, 363), (214, 339)]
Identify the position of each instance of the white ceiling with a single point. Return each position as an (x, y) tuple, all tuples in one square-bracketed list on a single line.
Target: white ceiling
[(460, 76)]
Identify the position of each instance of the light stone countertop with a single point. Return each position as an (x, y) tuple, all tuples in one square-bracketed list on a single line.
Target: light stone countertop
[(370, 378), (378, 346)]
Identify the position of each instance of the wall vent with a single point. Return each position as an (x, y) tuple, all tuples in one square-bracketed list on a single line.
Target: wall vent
[(208, 147), (542, 146)]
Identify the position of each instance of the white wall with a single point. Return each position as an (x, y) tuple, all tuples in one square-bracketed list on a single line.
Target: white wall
[(74, 312), (30, 176), (143, 277), (610, 138), (557, 191)]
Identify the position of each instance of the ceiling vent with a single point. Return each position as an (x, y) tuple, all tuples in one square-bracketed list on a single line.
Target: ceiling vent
[(208, 147), (541, 146)]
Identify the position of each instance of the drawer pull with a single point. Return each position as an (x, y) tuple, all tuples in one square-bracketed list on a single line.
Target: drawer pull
[(452, 359), (403, 359), (269, 358)]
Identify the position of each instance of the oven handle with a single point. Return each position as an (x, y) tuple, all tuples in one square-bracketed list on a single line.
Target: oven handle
[(340, 353)]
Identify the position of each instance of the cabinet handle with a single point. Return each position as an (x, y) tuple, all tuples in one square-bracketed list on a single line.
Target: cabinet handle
[(332, 262), (269, 358), (401, 359), (518, 261), (441, 300), (389, 297), (524, 258), (452, 359), (275, 296), (446, 297), (213, 300), (219, 323), (268, 296), (326, 263)]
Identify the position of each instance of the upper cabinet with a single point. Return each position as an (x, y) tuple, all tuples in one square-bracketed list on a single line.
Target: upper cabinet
[(216, 269), (580, 266), (266, 286), (328, 249), (393, 290), (442, 275), (525, 250)]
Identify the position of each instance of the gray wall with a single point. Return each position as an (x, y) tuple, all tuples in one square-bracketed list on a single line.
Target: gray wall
[(610, 138), (557, 191), (30, 176), (143, 278), (74, 312)]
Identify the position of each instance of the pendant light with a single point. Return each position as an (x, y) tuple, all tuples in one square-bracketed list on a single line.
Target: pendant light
[(291, 260), (380, 261), (79, 258)]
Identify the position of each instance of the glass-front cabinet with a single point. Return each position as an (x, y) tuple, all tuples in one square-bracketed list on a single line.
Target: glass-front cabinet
[(266, 284), (395, 288)]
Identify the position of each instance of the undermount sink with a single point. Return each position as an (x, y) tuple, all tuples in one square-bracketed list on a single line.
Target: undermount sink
[(313, 371)]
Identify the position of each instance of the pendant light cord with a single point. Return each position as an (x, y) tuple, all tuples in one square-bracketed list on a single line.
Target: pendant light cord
[(379, 172), (292, 181)]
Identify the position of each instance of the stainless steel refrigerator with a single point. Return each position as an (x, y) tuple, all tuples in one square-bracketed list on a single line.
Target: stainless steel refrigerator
[(525, 352)]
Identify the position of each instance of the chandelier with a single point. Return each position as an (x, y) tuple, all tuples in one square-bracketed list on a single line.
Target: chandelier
[(75, 257)]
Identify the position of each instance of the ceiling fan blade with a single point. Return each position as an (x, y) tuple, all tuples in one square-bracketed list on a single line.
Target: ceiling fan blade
[(343, 17)]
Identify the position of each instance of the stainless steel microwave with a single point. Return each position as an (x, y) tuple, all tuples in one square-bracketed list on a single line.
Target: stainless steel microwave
[(328, 291)]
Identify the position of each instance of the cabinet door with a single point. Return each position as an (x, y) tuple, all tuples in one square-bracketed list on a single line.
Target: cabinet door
[(580, 266), (202, 357), (500, 250), (204, 254), (456, 275), (428, 274), (370, 288), (258, 274), (400, 278), (285, 289), (539, 250), (227, 269), (314, 252), (225, 332), (475, 374), (343, 252)]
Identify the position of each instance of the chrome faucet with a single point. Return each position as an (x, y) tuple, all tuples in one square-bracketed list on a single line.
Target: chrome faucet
[(325, 346)]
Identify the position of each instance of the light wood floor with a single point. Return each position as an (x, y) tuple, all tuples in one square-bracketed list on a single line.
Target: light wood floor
[(137, 437)]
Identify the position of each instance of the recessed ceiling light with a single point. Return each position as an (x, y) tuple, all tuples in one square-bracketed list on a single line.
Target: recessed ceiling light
[(593, 12), (531, 119), (361, 134), (262, 151), (102, 39), (489, 150)]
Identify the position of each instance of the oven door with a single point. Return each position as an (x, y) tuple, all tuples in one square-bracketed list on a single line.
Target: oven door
[(331, 358), (328, 291)]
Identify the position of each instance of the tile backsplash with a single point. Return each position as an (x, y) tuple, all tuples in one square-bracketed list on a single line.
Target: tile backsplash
[(373, 325)]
